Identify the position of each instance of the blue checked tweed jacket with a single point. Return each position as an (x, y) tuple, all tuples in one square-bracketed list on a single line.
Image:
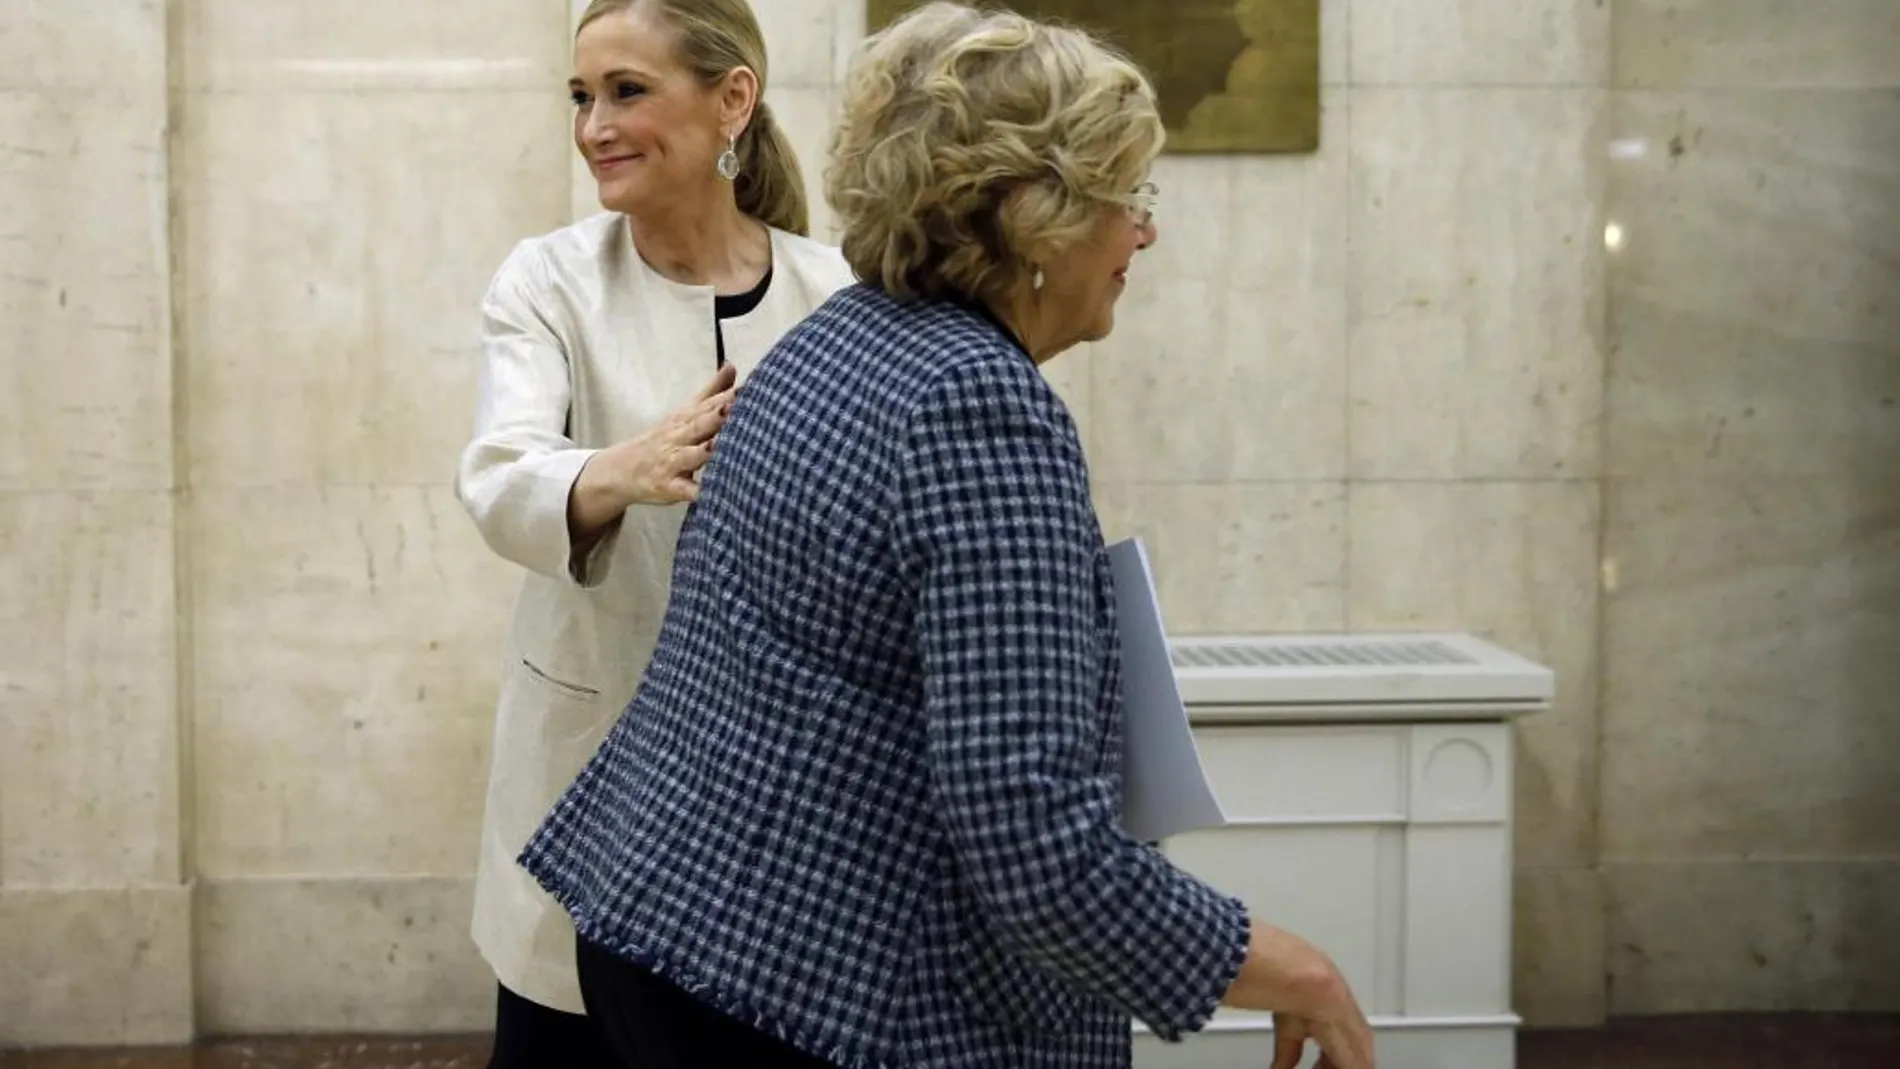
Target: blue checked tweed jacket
[(866, 798)]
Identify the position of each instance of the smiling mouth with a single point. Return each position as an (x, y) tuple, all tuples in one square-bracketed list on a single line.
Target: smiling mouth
[(610, 162)]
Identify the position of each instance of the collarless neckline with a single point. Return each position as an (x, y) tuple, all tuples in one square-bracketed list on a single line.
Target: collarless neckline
[(696, 289)]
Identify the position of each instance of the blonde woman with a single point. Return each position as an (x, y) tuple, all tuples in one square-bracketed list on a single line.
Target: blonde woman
[(610, 357), (864, 809)]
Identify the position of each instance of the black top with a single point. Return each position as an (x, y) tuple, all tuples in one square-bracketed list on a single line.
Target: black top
[(735, 305)]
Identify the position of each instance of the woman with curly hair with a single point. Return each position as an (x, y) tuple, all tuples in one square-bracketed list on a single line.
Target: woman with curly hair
[(864, 808)]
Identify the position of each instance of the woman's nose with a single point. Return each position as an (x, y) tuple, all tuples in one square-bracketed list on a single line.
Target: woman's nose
[(1148, 234), (593, 130)]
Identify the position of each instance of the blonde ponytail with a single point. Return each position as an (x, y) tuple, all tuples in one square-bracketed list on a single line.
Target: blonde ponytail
[(771, 185)]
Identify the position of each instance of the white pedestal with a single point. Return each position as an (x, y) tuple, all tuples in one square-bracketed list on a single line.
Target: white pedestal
[(1384, 836)]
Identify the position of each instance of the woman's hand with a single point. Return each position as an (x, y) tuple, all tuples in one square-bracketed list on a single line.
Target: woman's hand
[(659, 467), (1309, 998), (1341, 1046)]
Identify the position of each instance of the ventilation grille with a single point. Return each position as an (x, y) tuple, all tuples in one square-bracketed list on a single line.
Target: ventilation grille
[(1343, 653), (1365, 669)]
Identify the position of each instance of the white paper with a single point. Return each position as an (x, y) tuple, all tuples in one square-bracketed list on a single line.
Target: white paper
[(1166, 792)]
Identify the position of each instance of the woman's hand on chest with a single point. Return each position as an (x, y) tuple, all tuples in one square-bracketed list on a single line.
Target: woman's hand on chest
[(659, 466)]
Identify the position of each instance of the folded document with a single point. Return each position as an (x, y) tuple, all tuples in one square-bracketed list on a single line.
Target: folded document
[(1165, 789)]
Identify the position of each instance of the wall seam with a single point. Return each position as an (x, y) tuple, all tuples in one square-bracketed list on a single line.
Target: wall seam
[(185, 642), (1605, 206)]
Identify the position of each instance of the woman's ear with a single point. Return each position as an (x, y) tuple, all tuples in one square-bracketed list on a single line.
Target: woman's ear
[(1025, 211), (738, 99)]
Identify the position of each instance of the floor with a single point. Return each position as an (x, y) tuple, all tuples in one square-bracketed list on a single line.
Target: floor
[(1790, 1042)]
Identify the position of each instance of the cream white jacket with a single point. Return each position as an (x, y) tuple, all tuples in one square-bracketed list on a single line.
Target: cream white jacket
[(583, 345)]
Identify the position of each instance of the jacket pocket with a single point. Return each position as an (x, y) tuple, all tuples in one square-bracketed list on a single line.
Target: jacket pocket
[(559, 686)]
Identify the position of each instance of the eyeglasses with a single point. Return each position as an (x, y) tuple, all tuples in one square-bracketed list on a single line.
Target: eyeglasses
[(1140, 204)]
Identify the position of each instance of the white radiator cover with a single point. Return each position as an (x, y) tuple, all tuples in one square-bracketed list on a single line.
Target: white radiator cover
[(1368, 782)]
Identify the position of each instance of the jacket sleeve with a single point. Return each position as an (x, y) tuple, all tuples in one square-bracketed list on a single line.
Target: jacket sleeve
[(993, 512), (516, 473)]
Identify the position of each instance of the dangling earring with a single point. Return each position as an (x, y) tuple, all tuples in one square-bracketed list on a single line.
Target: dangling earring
[(1036, 282), (728, 165)]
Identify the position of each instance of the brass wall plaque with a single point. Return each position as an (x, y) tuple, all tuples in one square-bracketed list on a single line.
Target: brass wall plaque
[(1233, 75)]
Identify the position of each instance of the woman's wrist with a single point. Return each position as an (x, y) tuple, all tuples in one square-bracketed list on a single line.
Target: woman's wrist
[(1282, 973), (596, 500)]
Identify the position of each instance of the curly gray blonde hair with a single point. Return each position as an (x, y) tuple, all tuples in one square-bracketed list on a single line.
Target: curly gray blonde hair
[(974, 145)]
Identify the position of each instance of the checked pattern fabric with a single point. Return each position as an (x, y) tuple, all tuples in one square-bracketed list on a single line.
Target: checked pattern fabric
[(866, 798)]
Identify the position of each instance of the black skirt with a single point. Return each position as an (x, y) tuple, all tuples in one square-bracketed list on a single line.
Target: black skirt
[(649, 1023)]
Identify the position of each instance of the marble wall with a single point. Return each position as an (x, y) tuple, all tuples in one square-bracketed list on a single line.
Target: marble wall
[(348, 174), (95, 917), (1750, 819), (1397, 384)]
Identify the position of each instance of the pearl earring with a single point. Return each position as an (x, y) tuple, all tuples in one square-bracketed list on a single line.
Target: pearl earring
[(1036, 282)]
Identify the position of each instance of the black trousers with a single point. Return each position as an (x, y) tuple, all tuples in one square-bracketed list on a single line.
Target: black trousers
[(529, 1035), (651, 1024)]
